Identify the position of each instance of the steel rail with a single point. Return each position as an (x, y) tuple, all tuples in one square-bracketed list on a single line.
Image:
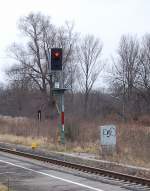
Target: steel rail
[(103, 172)]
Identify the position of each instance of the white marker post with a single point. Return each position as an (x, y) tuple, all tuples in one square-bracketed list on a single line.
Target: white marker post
[(108, 139)]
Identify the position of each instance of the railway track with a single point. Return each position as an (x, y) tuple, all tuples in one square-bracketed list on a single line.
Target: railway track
[(88, 169)]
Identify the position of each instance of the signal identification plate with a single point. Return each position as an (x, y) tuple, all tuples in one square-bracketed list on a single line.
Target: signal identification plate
[(108, 135)]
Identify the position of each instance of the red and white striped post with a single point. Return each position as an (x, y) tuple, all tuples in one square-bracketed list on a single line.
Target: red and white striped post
[(62, 119), (62, 108)]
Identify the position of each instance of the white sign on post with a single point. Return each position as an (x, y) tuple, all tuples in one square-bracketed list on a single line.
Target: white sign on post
[(108, 135), (56, 84)]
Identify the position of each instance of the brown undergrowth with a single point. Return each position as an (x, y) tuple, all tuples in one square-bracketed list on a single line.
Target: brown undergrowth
[(133, 137), (3, 188)]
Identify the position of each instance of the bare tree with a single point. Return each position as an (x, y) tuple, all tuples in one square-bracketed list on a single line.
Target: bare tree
[(32, 56), (144, 72), (41, 36), (90, 66), (127, 66), (126, 74)]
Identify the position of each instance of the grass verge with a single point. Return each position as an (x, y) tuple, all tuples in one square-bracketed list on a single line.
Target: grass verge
[(3, 187), (133, 138)]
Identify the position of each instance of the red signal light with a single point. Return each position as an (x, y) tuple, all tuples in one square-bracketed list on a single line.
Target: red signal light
[(56, 59), (57, 54)]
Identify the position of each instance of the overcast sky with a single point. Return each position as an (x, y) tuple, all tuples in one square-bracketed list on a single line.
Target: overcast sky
[(106, 19)]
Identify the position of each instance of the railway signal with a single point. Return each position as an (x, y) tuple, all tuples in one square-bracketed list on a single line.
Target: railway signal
[(56, 72), (56, 59)]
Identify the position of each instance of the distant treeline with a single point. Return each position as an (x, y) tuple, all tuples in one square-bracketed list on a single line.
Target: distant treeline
[(128, 95)]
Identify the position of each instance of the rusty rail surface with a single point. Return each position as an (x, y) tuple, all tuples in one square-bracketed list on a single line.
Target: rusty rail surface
[(113, 174)]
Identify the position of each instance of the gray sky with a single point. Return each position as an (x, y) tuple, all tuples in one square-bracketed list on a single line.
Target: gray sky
[(106, 19)]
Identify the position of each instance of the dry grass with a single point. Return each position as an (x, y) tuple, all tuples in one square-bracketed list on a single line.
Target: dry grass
[(43, 143), (27, 141), (133, 138), (3, 188), (21, 126)]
